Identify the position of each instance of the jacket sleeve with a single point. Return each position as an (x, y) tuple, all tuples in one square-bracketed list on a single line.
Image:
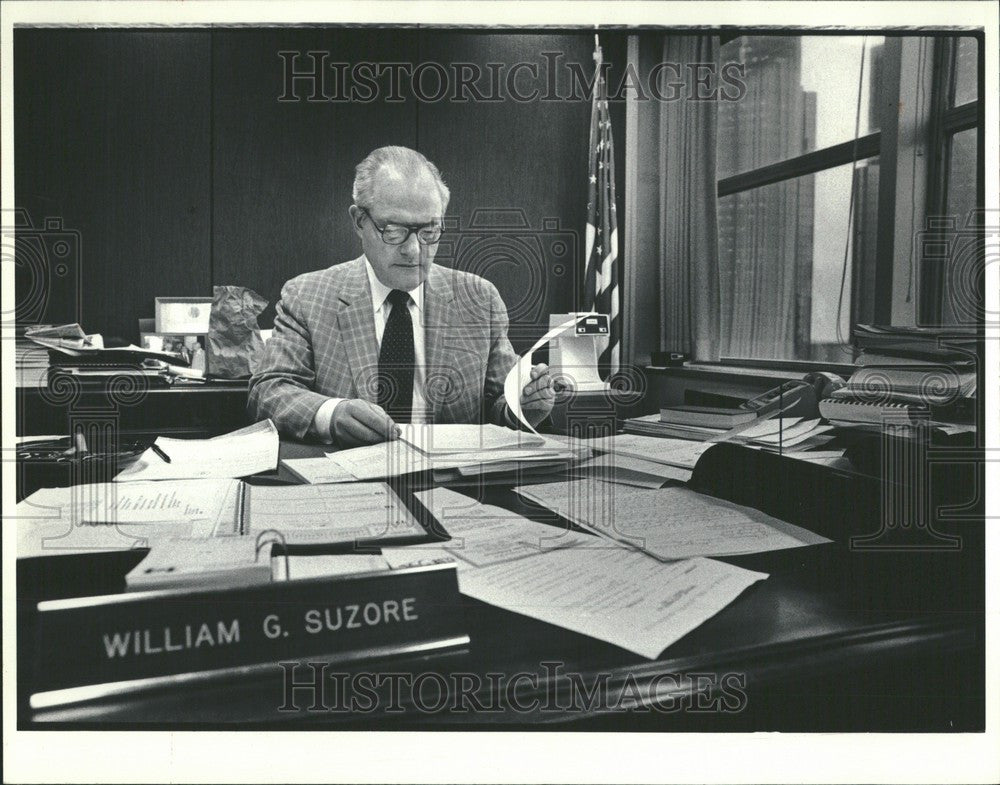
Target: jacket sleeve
[(502, 358), (282, 387)]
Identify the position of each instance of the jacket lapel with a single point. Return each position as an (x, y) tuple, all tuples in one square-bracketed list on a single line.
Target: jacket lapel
[(357, 327), (438, 294)]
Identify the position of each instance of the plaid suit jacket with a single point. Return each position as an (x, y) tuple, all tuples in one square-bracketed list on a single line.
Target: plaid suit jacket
[(324, 346)]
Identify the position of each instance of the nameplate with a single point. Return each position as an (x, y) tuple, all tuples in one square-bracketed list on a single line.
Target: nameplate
[(138, 637)]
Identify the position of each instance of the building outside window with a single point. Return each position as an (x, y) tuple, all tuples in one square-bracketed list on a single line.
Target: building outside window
[(800, 209)]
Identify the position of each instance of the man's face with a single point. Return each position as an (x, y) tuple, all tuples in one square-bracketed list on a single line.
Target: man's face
[(410, 201)]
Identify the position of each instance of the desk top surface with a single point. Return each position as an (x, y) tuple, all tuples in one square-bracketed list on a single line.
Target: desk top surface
[(827, 609)]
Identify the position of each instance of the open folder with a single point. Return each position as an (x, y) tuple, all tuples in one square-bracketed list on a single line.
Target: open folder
[(121, 516), (323, 514)]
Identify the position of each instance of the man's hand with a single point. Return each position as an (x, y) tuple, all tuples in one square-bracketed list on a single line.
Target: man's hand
[(538, 395), (356, 421)]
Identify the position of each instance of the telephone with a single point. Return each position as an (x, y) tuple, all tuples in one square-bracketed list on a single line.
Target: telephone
[(797, 398)]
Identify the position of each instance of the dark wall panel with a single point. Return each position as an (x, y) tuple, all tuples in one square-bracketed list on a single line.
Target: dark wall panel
[(172, 155), (517, 169), (112, 138), (283, 170)]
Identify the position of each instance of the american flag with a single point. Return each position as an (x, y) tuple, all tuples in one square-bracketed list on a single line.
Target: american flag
[(601, 292)]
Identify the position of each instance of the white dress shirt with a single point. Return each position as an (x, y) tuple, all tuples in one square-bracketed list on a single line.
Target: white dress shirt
[(380, 313)]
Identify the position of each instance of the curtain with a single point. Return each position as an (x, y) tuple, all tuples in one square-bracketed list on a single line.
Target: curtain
[(688, 207)]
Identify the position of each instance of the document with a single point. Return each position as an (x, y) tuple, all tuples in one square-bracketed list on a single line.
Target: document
[(670, 523), (768, 427), (140, 503), (807, 442), (791, 436), (673, 452), (626, 470), (148, 502), (316, 471), (377, 461), (483, 534), (329, 514), (520, 374), (301, 568), (399, 457), (238, 454), (111, 517), (444, 439), (619, 596), (823, 457)]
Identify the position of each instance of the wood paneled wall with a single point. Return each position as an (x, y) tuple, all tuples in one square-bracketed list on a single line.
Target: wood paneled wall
[(173, 157), (112, 137)]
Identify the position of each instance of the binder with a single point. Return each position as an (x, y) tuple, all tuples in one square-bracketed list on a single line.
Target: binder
[(199, 562)]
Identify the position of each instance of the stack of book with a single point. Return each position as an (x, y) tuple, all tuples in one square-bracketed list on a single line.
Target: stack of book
[(904, 375), (31, 361), (689, 422)]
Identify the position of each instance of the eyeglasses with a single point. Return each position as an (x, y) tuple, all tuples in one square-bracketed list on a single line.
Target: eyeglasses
[(397, 234)]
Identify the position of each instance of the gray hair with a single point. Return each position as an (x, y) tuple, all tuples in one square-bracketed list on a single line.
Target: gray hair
[(403, 162)]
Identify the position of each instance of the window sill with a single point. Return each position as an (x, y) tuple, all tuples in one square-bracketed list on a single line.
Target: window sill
[(725, 372)]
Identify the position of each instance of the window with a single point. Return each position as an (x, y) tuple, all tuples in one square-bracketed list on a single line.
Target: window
[(806, 235), (956, 190)]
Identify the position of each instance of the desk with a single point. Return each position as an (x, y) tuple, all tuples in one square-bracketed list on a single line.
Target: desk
[(211, 408), (116, 421), (835, 639)]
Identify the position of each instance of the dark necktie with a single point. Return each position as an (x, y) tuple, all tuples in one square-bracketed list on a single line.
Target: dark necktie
[(396, 360)]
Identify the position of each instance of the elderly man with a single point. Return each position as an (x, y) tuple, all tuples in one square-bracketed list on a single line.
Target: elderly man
[(390, 337)]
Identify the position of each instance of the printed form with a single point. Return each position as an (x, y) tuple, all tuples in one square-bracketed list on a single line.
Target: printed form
[(669, 523)]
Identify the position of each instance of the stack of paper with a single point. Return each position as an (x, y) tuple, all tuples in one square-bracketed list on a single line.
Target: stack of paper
[(784, 434), (681, 453), (626, 470), (31, 362), (450, 439), (670, 523), (652, 425), (451, 452), (238, 454), (67, 338), (463, 452)]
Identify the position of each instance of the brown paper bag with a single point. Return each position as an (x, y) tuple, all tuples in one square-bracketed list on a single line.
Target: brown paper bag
[(234, 344)]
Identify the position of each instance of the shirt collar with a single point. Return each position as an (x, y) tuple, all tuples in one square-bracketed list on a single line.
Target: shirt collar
[(380, 291)]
